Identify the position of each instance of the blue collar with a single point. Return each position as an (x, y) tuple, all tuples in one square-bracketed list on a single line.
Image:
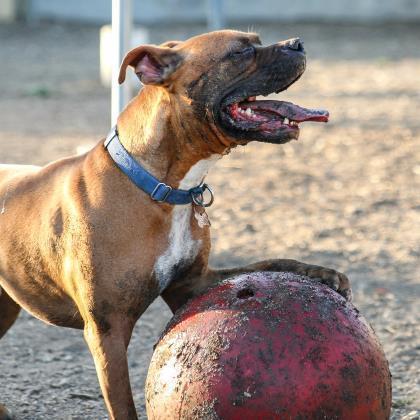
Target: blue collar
[(144, 180)]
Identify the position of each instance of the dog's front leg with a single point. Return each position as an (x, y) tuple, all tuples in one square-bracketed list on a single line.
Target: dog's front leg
[(180, 291), (108, 341), (332, 278)]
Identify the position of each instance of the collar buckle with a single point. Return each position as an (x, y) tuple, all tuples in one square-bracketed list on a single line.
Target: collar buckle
[(161, 192)]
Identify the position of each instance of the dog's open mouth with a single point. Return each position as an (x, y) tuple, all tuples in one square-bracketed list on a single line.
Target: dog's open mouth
[(275, 121)]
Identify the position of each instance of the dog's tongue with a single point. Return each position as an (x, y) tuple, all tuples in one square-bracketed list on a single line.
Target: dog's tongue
[(288, 110)]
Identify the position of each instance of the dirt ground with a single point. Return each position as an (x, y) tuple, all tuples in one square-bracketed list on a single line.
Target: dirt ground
[(346, 195)]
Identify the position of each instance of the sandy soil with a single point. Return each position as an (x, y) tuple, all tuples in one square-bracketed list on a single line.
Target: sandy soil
[(346, 195)]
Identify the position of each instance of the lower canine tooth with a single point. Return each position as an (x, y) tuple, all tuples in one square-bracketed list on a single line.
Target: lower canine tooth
[(286, 121)]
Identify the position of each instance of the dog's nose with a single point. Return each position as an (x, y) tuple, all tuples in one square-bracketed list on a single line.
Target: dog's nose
[(294, 44)]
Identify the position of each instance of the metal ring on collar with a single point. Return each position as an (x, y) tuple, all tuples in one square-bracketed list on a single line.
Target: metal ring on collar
[(198, 199)]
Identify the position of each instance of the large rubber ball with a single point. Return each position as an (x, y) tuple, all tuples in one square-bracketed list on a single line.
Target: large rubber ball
[(268, 346)]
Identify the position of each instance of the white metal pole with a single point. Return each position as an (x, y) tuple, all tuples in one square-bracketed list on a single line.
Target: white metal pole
[(121, 36), (215, 15)]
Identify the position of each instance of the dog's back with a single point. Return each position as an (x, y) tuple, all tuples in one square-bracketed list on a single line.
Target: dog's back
[(10, 172)]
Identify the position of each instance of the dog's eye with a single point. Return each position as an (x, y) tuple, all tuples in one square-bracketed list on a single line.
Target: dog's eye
[(244, 52)]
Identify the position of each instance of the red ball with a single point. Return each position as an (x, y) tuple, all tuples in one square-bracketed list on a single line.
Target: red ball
[(268, 346)]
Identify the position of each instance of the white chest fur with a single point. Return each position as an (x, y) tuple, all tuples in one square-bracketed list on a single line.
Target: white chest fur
[(182, 248)]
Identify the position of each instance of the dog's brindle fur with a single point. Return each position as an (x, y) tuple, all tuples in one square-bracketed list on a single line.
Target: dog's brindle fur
[(82, 247)]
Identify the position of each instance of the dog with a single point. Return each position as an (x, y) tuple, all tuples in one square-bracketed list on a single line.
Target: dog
[(90, 241)]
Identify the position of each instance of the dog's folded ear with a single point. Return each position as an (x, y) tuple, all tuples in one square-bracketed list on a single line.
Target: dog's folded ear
[(152, 64)]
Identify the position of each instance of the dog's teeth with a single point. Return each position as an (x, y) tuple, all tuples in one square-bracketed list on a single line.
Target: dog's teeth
[(248, 111), (286, 121)]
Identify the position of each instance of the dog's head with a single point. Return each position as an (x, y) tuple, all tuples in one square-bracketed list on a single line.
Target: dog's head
[(220, 74)]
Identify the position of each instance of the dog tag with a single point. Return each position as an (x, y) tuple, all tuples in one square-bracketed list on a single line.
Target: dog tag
[(201, 216)]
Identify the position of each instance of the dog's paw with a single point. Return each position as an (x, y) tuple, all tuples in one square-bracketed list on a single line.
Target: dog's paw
[(334, 279)]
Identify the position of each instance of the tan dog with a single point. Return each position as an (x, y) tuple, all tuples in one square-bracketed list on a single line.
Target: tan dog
[(81, 246)]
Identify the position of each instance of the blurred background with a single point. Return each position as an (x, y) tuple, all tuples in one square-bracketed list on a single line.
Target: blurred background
[(346, 195)]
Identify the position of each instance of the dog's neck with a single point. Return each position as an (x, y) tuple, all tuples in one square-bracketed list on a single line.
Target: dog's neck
[(165, 137)]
